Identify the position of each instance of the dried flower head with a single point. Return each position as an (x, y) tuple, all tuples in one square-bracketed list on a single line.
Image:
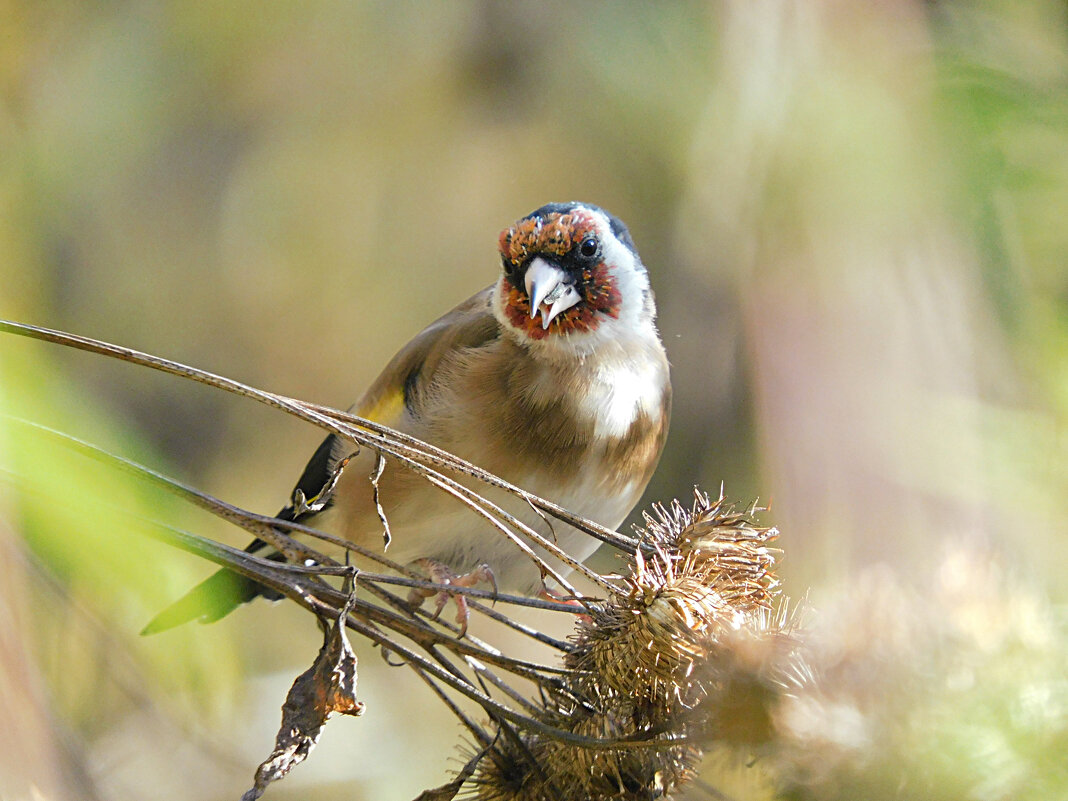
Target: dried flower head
[(694, 652), (543, 769), (709, 574)]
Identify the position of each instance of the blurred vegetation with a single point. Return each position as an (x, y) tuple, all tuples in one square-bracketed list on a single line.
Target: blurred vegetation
[(853, 216)]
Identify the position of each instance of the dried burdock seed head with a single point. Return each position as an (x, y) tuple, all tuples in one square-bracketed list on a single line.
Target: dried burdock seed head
[(708, 577), (749, 672), (543, 768), (508, 772), (646, 646), (622, 773), (715, 535)]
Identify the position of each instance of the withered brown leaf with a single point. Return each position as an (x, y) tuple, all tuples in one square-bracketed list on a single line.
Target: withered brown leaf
[(326, 688)]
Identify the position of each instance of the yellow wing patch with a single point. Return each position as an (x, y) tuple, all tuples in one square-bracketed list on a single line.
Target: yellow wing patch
[(385, 409)]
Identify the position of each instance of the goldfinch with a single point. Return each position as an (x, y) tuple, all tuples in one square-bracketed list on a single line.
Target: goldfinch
[(553, 378)]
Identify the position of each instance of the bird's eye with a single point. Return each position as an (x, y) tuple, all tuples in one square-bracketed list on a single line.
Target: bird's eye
[(589, 247)]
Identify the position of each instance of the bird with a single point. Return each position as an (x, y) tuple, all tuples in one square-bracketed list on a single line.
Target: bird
[(554, 378)]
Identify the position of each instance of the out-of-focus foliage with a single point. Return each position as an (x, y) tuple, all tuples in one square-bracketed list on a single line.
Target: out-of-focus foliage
[(80, 585), (955, 691), (853, 218), (893, 410)]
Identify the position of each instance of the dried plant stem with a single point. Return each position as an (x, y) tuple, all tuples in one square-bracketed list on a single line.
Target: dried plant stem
[(410, 452), (342, 423), (434, 455), (643, 679), (480, 734)]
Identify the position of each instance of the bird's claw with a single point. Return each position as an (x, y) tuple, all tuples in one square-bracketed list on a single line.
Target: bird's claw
[(440, 573)]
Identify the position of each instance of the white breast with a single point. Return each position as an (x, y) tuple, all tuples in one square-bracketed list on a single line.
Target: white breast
[(621, 392), (613, 396)]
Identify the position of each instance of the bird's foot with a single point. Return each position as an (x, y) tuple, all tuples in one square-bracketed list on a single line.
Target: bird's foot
[(441, 573)]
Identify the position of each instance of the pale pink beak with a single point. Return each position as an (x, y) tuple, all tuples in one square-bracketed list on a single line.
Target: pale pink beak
[(550, 290)]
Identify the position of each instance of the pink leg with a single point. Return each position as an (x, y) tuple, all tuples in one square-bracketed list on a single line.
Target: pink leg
[(441, 573)]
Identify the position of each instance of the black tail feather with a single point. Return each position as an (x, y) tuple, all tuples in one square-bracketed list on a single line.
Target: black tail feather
[(212, 599), (220, 594)]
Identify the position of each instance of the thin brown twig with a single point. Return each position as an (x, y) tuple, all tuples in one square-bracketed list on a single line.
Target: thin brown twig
[(477, 731), (409, 451), (322, 416), (324, 601), (445, 459), (323, 564)]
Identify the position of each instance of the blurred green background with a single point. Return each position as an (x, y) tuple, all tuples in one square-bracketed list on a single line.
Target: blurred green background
[(855, 217)]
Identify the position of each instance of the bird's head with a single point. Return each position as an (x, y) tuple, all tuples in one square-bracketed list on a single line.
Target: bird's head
[(571, 279)]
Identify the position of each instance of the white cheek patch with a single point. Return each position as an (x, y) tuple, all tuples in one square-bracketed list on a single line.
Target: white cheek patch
[(632, 282)]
